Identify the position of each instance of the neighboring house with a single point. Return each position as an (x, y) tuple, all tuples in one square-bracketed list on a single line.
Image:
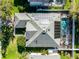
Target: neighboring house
[(46, 2), (40, 29)]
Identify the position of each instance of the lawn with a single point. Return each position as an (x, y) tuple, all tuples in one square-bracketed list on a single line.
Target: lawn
[(12, 52), (65, 57)]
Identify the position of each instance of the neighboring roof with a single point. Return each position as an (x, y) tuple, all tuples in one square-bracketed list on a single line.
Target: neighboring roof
[(22, 16), (38, 0), (46, 2)]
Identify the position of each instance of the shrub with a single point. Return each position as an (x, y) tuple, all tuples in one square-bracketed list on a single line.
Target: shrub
[(21, 9), (44, 52), (1, 36), (24, 55), (21, 42)]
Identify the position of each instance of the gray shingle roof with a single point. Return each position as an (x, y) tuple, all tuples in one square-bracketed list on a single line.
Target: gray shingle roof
[(30, 27), (21, 24), (22, 16)]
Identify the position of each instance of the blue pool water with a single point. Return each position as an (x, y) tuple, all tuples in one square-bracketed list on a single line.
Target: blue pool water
[(64, 26)]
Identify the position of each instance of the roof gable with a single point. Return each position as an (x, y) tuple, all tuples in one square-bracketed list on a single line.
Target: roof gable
[(43, 40)]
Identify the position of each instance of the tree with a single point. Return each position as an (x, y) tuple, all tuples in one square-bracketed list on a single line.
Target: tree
[(24, 55), (23, 5), (21, 9), (67, 5), (44, 52), (7, 32)]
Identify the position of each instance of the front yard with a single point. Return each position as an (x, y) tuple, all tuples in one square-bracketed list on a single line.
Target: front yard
[(12, 52)]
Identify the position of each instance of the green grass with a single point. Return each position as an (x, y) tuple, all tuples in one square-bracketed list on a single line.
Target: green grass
[(65, 57), (12, 52), (75, 55), (67, 5)]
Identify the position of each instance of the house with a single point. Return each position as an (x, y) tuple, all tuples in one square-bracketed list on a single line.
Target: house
[(40, 29), (46, 3)]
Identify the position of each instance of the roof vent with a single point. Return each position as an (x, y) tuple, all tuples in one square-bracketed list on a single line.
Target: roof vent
[(44, 32)]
